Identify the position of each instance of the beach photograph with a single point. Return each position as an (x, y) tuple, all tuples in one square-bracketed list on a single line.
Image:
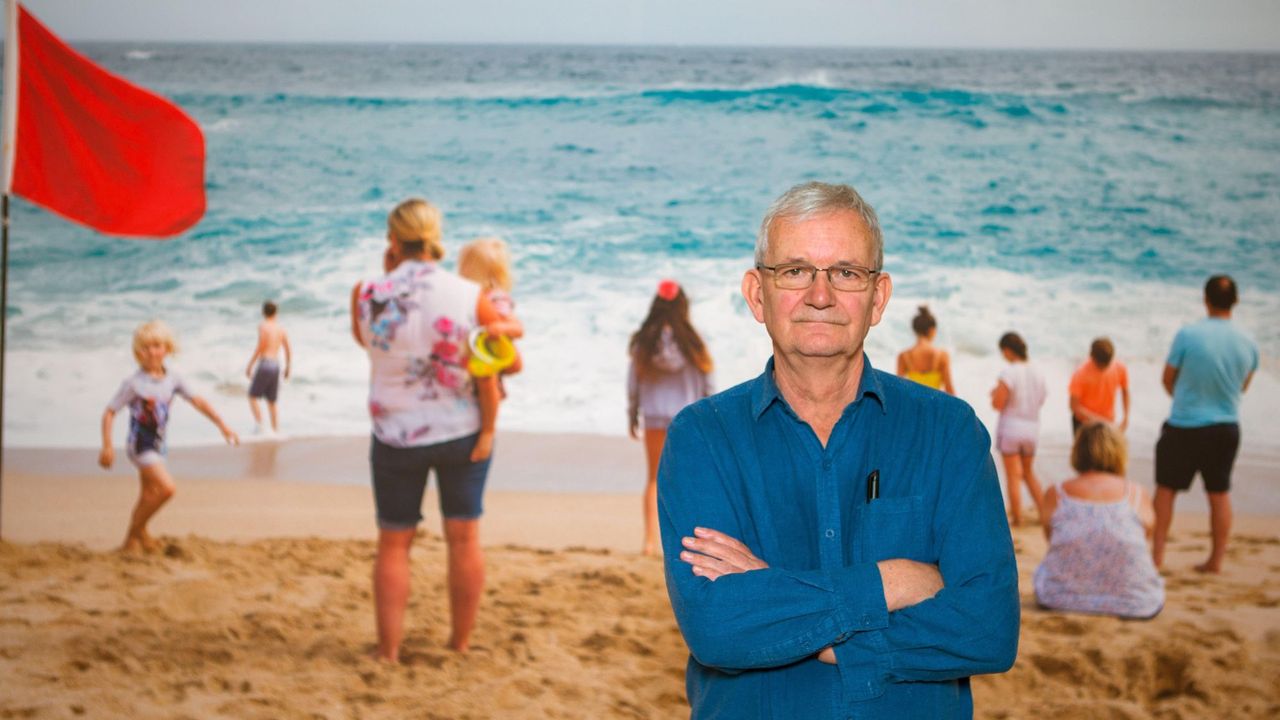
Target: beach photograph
[(205, 510)]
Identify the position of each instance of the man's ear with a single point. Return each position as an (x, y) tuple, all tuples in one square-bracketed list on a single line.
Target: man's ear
[(880, 300), (753, 293)]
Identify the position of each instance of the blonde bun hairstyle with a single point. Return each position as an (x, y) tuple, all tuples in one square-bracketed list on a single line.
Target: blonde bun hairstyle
[(416, 225)]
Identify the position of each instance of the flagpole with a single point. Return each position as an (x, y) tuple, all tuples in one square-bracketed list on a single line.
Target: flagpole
[(8, 132)]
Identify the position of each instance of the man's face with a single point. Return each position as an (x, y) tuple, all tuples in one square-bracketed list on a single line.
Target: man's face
[(818, 321)]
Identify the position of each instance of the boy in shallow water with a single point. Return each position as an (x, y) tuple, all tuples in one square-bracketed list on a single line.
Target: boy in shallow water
[(266, 379), (149, 395)]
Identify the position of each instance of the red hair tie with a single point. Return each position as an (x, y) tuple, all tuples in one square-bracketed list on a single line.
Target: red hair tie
[(668, 289)]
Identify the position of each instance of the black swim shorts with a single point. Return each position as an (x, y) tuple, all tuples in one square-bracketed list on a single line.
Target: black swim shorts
[(1209, 450)]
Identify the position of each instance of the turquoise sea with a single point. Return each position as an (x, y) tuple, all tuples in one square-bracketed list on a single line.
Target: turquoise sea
[(1065, 195)]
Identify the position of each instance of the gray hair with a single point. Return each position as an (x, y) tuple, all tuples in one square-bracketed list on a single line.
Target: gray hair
[(815, 198)]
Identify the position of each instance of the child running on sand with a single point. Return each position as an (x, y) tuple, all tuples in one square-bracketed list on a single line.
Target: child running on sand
[(266, 381), (149, 394), (487, 262)]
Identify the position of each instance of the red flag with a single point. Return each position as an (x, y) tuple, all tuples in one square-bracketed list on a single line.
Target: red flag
[(98, 149)]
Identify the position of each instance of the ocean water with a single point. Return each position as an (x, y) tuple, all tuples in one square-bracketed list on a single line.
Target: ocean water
[(1064, 195)]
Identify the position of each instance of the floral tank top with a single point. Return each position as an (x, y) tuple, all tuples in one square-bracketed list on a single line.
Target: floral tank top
[(1098, 561), (414, 323)]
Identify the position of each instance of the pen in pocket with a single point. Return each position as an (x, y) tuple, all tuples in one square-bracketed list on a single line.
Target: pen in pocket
[(873, 485)]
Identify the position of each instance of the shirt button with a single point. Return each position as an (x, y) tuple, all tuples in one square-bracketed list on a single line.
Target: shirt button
[(830, 533), (826, 464)]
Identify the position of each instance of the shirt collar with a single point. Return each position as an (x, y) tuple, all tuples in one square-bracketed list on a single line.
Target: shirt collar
[(766, 390)]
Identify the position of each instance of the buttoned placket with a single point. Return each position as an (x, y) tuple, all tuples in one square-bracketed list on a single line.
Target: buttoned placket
[(832, 551)]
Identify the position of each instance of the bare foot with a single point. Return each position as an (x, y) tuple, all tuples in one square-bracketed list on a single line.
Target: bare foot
[(379, 657), (1209, 566), (149, 544), (132, 546), (650, 549), (457, 646)]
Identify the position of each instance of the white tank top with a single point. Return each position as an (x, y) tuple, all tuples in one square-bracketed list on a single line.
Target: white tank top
[(414, 323)]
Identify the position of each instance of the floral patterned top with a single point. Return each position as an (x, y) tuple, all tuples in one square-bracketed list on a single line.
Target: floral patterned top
[(1098, 560), (414, 324)]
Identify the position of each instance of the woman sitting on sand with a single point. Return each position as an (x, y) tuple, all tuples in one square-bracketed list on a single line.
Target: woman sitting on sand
[(670, 368), (428, 412), (922, 362), (1098, 560)]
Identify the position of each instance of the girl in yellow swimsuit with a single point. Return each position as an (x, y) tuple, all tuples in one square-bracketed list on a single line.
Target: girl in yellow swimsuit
[(923, 363)]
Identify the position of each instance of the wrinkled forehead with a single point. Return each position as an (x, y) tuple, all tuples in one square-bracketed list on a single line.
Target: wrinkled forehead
[(832, 237)]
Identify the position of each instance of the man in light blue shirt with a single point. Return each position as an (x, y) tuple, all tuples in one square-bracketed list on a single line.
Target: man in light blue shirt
[(1209, 367), (834, 536)]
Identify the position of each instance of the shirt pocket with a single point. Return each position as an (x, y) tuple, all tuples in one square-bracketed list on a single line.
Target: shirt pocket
[(893, 527)]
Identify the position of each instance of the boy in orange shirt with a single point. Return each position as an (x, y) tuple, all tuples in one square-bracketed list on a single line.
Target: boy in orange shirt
[(1093, 388)]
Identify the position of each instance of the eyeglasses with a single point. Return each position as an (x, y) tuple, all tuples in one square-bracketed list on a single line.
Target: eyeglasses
[(798, 276)]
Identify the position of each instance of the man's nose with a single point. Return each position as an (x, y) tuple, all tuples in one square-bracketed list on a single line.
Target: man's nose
[(820, 294)]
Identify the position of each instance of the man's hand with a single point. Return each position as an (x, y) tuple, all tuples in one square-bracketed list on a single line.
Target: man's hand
[(633, 427), (107, 456), (714, 554), (907, 582)]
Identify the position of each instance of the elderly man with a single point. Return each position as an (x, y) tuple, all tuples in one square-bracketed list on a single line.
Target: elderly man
[(835, 539)]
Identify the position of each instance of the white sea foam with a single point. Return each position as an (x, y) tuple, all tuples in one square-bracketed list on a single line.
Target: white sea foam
[(575, 351)]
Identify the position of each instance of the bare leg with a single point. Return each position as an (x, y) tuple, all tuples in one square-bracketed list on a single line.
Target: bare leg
[(271, 407), (1164, 517), (1013, 482), (1220, 526), (156, 487), (257, 414), (1033, 485), (653, 442), (391, 590), (466, 578)]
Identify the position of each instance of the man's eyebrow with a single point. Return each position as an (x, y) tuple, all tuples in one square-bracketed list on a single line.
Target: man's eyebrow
[(806, 261)]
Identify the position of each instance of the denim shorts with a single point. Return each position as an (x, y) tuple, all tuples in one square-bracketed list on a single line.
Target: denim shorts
[(400, 479)]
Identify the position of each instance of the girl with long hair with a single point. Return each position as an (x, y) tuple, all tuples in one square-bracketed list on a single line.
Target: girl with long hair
[(670, 368)]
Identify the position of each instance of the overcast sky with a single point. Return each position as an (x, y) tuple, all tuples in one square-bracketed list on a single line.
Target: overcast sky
[(1085, 24)]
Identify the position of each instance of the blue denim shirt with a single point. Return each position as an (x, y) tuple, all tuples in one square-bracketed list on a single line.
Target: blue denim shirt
[(742, 462)]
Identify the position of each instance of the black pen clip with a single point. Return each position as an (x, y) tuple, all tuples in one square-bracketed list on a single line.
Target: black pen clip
[(873, 485)]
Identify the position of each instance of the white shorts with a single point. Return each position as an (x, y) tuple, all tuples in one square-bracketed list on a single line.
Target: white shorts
[(1017, 437), (144, 459)]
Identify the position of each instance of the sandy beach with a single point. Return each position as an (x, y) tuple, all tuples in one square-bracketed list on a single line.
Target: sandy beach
[(259, 605)]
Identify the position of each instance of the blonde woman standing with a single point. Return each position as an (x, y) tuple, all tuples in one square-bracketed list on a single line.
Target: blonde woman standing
[(414, 323)]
